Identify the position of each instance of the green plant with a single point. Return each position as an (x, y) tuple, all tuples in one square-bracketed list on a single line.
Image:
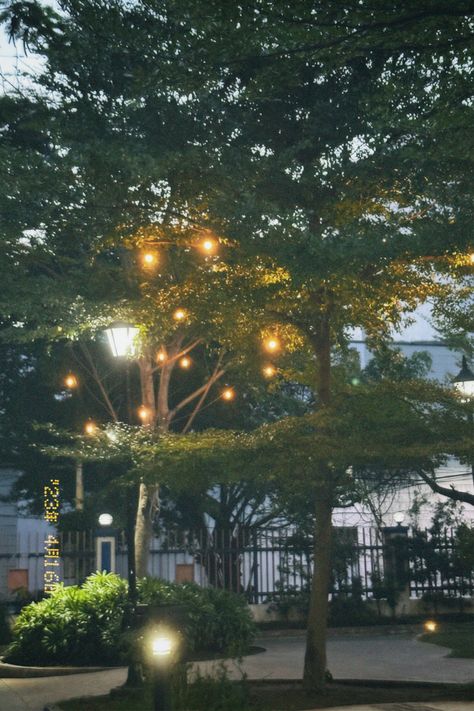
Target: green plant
[(216, 620), (74, 625), (85, 625), (213, 693)]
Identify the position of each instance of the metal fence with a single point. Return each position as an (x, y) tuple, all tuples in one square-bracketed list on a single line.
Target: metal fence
[(264, 563)]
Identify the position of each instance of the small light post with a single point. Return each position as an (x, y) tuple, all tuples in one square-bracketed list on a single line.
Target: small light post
[(105, 544), (464, 383), (162, 655)]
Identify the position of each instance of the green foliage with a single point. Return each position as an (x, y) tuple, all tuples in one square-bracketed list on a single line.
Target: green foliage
[(213, 693), (74, 625), (217, 620), (84, 625)]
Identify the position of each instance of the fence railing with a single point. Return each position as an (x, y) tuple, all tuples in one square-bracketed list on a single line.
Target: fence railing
[(264, 563)]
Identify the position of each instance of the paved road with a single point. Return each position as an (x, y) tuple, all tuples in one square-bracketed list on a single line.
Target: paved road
[(395, 657)]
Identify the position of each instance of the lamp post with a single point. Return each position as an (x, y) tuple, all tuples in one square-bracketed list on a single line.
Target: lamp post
[(464, 383), (122, 339), (105, 544)]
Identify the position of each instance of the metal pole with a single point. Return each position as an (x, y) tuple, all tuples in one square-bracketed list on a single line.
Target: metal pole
[(161, 689)]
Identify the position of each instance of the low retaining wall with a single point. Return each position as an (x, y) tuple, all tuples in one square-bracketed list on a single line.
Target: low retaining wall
[(406, 607)]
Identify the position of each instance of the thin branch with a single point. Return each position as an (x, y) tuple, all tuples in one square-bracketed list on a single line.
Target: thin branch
[(205, 391), (95, 374), (178, 355)]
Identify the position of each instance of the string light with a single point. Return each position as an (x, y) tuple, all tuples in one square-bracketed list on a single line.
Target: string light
[(179, 314), (90, 427), (208, 246), (272, 344), (149, 259), (144, 413), (228, 394), (185, 362), (269, 371), (161, 356), (70, 381)]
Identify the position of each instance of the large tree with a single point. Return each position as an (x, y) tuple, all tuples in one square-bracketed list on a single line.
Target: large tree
[(329, 143)]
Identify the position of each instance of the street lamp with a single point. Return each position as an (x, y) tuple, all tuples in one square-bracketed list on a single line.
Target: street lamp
[(122, 339), (464, 380), (464, 383)]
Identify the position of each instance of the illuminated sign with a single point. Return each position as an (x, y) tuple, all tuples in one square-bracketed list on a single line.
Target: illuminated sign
[(51, 544)]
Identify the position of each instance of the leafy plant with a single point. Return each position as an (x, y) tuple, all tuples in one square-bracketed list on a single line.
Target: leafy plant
[(85, 625)]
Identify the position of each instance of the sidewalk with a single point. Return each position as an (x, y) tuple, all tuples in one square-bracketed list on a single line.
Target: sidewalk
[(395, 657)]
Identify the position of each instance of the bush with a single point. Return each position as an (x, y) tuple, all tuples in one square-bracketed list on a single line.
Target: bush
[(84, 625), (217, 620), (74, 625)]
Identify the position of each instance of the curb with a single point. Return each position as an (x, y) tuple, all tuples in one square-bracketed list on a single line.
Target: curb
[(14, 671)]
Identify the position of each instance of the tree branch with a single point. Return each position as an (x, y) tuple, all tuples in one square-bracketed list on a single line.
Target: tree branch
[(450, 493), (204, 390)]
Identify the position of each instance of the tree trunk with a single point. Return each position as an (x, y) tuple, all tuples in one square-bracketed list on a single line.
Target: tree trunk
[(146, 511), (148, 494), (79, 497), (314, 675)]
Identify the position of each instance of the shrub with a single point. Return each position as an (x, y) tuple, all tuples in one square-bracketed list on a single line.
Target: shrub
[(216, 620), (84, 625), (74, 625)]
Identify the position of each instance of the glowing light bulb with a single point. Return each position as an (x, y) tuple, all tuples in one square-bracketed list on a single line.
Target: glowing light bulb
[(143, 413), (185, 362), (161, 356), (149, 259), (272, 345), (90, 427), (228, 394), (471, 257), (179, 314), (208, 246), (161, 646), (430, 626), (269, 371), (70, 381)]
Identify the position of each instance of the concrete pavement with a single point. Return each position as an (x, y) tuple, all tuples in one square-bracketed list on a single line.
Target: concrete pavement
[(394, 657)]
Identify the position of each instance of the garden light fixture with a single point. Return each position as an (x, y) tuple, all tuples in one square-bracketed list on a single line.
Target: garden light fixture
[(105, 519), (122, 339)]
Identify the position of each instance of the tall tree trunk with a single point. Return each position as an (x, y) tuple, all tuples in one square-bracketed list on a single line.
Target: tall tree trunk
[(148, 495), (314, 674)]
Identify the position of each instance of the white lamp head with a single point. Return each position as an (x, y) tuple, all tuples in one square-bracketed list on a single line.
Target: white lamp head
[(122, 339), (399, 517), (106, 519), (464, 380)]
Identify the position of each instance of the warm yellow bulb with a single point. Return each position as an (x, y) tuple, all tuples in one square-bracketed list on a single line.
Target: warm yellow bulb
[(161, 356), (143, 413), (185, 362), (90, 427), (70, 381), (430, 626), (208, 246), (269, 371), (272, 345), (471, 257), (149, 259), (228, 394), (179, 314)]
